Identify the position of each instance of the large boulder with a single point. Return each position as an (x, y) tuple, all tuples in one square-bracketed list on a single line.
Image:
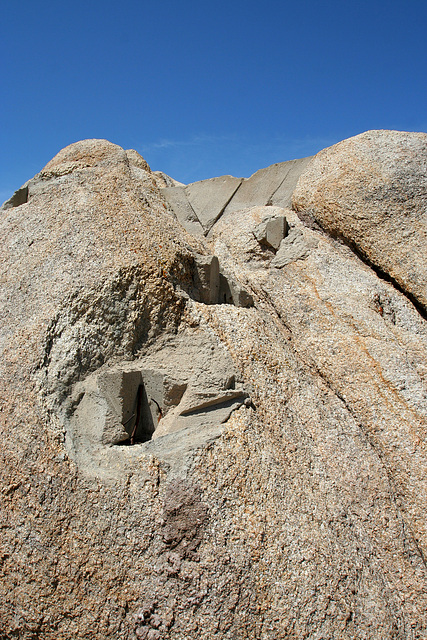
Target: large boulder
[(176, 467), (371, 190)]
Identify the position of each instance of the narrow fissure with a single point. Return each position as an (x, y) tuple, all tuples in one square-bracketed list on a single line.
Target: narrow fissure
[(383, 275), (140, 426), (270, 199), (224, 208), (138, 413), (407, 532)]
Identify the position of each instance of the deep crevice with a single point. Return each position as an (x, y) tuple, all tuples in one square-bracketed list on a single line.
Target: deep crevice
[(383, 275), (140, 425)]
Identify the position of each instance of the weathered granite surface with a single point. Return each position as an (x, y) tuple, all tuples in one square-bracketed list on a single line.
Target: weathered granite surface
[(371, 190), (275, 389)]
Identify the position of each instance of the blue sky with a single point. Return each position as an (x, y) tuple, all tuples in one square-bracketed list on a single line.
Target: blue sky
[(204, 89)]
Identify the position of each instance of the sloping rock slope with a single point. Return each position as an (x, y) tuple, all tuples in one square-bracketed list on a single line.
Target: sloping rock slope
[(371, 190), (213, 405)]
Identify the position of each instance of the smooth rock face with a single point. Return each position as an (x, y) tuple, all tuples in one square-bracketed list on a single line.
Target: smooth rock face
[(274, 385), (209, 198), (206, 201), (177, 199), (271, 231), (372, 191), (270, 186)]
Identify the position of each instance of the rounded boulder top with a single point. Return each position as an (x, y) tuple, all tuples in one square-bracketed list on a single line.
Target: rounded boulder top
[(90, 153), (371, 190)]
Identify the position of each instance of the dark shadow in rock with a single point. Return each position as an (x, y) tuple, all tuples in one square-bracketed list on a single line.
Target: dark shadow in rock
[(211, 285), (140, 426), (225, 295), (19, 197)]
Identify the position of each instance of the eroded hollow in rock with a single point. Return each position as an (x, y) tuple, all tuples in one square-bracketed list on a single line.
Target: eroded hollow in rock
[(211, 285), (178, 393), (119, 406)]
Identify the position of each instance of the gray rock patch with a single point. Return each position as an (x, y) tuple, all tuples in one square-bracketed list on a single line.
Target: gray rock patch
[(208, 198), (19, 197), (178, 201), (273, 185), (187, 384), (232, 292), (207, 278), (271, 231), (294, 247)]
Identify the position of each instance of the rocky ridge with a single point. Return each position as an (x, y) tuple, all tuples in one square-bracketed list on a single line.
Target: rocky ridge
[(214, 398)]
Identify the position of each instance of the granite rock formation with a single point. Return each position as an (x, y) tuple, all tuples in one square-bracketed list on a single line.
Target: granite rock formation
[(371, 190), (214, 398)]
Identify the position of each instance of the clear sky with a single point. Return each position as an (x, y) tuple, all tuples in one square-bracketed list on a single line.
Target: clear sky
[(205, 88)]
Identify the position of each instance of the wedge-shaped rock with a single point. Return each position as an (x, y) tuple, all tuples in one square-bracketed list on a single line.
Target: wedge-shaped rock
[(177, 199), (270, 186), (271, 231), (294, 247), (208, 198)]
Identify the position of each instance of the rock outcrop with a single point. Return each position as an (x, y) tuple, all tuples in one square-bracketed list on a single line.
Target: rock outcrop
[(214, 405), (206, 201), (371, 190)]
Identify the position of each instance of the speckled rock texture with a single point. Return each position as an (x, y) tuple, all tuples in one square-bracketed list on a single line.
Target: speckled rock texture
[(298, 512), (371, 190)]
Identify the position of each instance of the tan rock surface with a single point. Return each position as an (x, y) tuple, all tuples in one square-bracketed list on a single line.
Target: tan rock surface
[(372, 191), (300, 516)]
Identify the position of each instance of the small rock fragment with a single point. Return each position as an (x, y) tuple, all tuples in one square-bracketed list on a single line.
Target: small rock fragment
[(271, 231), (293, 247)]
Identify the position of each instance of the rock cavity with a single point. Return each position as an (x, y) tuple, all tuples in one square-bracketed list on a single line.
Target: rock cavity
[(183, 383)]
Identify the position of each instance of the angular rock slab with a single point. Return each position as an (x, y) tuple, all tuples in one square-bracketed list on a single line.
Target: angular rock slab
[(208, 198), (177, 199), (273, 185), (294, 247), (207, 278), (372, 191), (271, 231)]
